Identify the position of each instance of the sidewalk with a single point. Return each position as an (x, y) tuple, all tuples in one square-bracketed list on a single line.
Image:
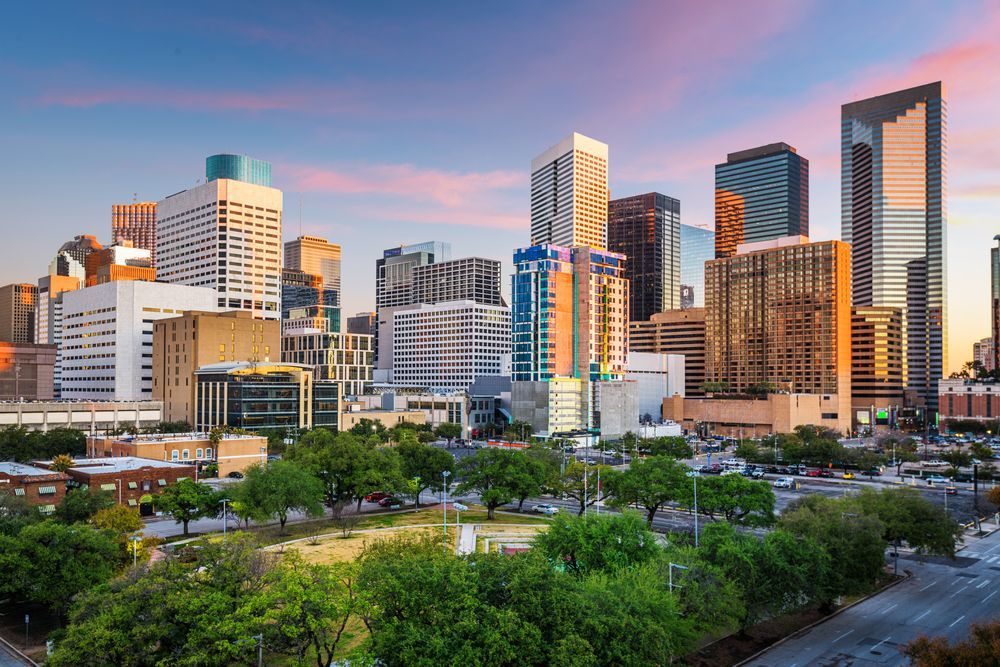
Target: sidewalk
[(466, 540)]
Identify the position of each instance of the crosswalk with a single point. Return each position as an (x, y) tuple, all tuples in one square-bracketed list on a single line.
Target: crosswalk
[(989, 558)]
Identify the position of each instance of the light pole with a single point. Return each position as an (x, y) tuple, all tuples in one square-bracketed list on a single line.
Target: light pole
[(459, 508), (444, 505), (694, 475), (119, 491), (585, 475), (225, 518), (670, 574), (135, 550)]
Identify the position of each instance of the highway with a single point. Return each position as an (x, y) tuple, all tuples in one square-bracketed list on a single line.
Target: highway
[(942, 597)]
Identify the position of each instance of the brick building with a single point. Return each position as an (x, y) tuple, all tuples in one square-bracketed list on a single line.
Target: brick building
[(129, 477), (39, 486), (233, 453)]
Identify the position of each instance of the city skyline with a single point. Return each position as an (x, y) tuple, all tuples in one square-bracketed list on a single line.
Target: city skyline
[(455, 169)]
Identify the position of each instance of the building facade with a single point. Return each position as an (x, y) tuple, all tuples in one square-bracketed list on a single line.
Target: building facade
[(394, 271), (657, 376), (89, 416), (876, 365), (27, 371), (995, 299), (337, 357), (316, 256), (968, 399), (107, 339), (893, 155), (232, 452), (224, 235), (40, 487), (71, 259), (238, 168), (469, 278), (983, 352), (675, 332), (362, 323), (569, 194), (17, 312), (745, 418), (48, 317), (760, 194), (306, 290), (647, 230), (135, 223), (127, 479), (697, 247), (119, 262)]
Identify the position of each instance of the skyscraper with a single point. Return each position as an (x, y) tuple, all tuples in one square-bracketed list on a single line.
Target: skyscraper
[(468, 278), (238, 168), (317, 256), (995, 298), (894, 215), (760, 194), (876, 364), (697, 247), (136, 223), (17, 312), (646, 229), (569, 194), (71, 259), (680, 332), (48, 316)]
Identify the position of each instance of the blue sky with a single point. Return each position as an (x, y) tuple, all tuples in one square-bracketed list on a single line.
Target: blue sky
[(404, 122)]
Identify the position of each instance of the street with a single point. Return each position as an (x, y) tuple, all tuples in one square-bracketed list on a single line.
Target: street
[(943, 597)]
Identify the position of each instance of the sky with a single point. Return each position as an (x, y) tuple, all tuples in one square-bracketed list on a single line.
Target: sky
[(400, 122)]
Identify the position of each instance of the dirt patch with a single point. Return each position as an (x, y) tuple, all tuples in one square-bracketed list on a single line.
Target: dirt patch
[(735, 648)]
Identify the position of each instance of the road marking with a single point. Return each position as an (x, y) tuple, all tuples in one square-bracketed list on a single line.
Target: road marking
[(843, 635), (888, 609), (958, 591), (880, 643), (992, 559), (972, 555), (957, 581), (957, 620), (989, 596), (921, 616), (928, 586), (985, 583)]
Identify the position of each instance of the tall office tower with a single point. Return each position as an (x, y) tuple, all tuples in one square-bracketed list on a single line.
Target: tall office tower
[(71, 259), (876, 364), (121, 261), (893, 156), (317, 256), (995, 299), (48, 316), (224, 235), (17, 312), (136, 223), (778, 318), (302, 290), (675, 332), (646, 229), (345, 358), (760, 194), (697, 247), (238, 168), (184, 343), (107, 343), (394, 271), (362, 323), (569, 194), (472, 278), (982, 351)]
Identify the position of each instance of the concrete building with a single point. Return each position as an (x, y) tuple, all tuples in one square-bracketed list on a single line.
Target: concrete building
[(983, 352), (469, 278), (232, 453), (676, 332), (315, 256), (968, 399), (119, 262), (697, 247), (559, 405), (135, 223), (657, 376), (344, 358), (362, 323), (450, 344), (107, 343), (40, 487), (749, 418), (355, 413), (569, 194), (17, 312), (184, 343), (27, 371), (876, 365), (394, 271), (894, 216), (48, 318), (616, 405), (225, 236), (89, 416), (995, 299), (128, 479), (71, 259), (647, 230)]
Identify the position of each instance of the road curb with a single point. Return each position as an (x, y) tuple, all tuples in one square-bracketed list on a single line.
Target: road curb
[(17, 653), (815, 623)]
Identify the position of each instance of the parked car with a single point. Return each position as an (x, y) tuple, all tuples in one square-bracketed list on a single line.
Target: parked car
[(757, 473), (377, 496), (730, 471), (874, 472), (547, 510), (609, 453), (825, 473), (569, 449), (390, 502), (236, 474), (935, 478), (784, 483), (812, 473), (951, 490), (848, 475), (934, 462)]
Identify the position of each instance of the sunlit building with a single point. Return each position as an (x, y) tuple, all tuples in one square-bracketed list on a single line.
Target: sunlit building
[(675, 332), (318, 257), (17, 312), (697, 247), (876, 365), (136, 223), (121, 261), (238, 168)]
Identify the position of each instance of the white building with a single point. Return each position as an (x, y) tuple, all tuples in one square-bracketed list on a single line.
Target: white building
[(342, 357), (658, 376), (449, 345), (224, 235), (107, 336)]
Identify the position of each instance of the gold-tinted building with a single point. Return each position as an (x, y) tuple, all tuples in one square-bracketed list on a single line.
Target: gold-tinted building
[(182, 345), (675, 332), (136, 223), (315, 255), (17, 312), (877, 378)]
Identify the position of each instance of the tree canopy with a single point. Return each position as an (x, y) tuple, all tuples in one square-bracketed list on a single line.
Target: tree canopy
[(496, 474), (188, 500)]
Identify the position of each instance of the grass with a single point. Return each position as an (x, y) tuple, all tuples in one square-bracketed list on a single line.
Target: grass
[(336, 548)]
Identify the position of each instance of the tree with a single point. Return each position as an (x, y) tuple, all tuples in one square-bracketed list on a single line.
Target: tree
[(993, 496), (670, 445), (735, 498), (747, 451), (61, 463), (425, 464), (368, 428), (16, 513), (69, 441), (957, 458), (580, 482), (278, 489), (119, 520), (981, 648), (80, 504), (909, 517), (651, 483), (448, 431), (495, 474), (586, 544), (187, 500), (520, 431)]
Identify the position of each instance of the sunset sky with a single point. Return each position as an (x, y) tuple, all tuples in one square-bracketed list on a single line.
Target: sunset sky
[(391, 123)]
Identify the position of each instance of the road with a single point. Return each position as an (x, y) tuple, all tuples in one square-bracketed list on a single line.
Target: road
[(10, 659), (942, 597)]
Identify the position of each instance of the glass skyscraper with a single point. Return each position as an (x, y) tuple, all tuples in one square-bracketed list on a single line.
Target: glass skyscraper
[(894, 215), (760, 194), (238, 168), (697, 247), (995, 299)]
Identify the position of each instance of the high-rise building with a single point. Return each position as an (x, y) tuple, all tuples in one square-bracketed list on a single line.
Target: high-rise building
[(121, 261), (107, 339), (983, 352), (569, 194), (473, 278), (224, 235), (17, 312), (646, 229), (48, 317), (362, 323), (894, 215), (876, 364), (136, 223), (184, 343), (345, 358), (317, 256), (697, 247), (394, 271), (238, 168), (995, 299), (760, 194), (675, 332), (778, 319), (306, 290), (26, 371), (71, 259)]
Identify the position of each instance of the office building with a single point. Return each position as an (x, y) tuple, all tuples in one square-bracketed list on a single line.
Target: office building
[(778, 319), (982, 352), (238, 168), (675, 332), (995, 299), (27, 371), (362, 323), (122, 261), (48, 317), (657, 376), (743, 417), (17, 312), (569, 194), (345, 358), (647, 230), (71, 259), (760, 194), (301, 291), (697, 247), (469, 278), (394, 271), (316, 256), (449, 345), (135, 223), (894, 215), (89, 416), (876, 365), (107, 336), (224, 235), (184, 343)]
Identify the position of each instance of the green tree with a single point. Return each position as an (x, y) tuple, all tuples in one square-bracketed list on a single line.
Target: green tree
[(368, 428), (586, 544), (748, 451), (448, 431), (957, 458), (16, 513), (61, 463), (187, 500), (495, 474), (580, 482), (69, 441), (669, 445), (278, 489), (651, 483), (80, 504), (910, 518), (425, 464), (734, 498)]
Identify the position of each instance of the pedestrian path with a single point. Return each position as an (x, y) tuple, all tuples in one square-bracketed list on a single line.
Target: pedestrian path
[(466, 540)]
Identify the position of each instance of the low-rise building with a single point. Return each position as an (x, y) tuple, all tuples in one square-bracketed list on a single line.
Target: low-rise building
[(968, 399), (27, 371), (128, 478), (41, 487), (657, 377), (232, 452), (749, 417), (355, 412), (89, 416)]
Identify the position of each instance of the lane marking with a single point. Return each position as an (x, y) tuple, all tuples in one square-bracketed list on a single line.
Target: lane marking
[(975, 555), (921, 616), (957, 620), (929, 585), (992, 559), (888, 609), (985, 583), (882, 642), (843, 635), (958, 591), (989, 596)]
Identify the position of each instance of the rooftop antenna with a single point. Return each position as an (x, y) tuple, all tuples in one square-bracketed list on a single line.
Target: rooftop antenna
[(135, 197)]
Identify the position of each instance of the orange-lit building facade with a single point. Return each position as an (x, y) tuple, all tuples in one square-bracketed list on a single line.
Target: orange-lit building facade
[(27, 371), (122, 261), (675, 332), (876, 364), (136, 223), (17, 312)]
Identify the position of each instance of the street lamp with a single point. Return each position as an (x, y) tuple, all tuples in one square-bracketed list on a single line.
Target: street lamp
[(459, 508), (444, 505), (670, 574), (694, 475), (135, 550), (225, 517)]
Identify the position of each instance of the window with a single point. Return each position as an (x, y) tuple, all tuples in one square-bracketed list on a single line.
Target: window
[(47, 509), (186, 454), (208, 453), (145, 485), (173, 455), (108, 487), (198, 453), (18, 492), (46, 490), (133, 485), (161, 482), (132, 502)]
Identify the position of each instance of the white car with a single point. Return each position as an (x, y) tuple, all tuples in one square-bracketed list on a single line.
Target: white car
[(609, 452), (547, 510), (730, 471), (934, 462), (784, 483)]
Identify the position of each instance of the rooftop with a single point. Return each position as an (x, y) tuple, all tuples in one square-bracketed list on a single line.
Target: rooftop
[(175, 437), (118, 464), (22, 469)]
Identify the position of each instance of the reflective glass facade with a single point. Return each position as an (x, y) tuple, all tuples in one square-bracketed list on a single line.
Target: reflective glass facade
[(238, 168), (995, 299), (697, 247), (760, 194), (646, 229)]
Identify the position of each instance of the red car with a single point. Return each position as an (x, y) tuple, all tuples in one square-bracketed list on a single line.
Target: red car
[(377, 496), (825, 473), (812, 473)]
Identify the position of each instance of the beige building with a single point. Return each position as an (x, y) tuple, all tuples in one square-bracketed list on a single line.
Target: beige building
[(182, 345), (315, 255), (877, 374), (746, 418), (26, 371), (17, 312), (354, 412), (232, 453), (675, 332)]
